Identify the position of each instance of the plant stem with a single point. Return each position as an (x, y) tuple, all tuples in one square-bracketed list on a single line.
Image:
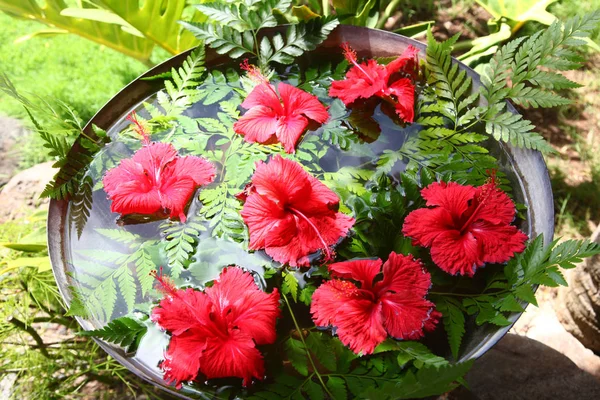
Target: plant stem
[(33, 333), (326, 8), (289, 307), (464, 45), (387, 13), (468, 294)]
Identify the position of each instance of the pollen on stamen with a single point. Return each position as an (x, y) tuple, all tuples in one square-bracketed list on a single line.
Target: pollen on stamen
[(493, 179), (253, 72), (166, 285), (349, 53)]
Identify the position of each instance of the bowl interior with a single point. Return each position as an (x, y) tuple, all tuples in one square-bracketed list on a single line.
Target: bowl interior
[(530, 174)]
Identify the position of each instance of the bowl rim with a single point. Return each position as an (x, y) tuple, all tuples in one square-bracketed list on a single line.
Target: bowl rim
[(528, 164)]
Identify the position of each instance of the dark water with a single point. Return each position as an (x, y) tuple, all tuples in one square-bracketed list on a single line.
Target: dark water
[(106, 243)]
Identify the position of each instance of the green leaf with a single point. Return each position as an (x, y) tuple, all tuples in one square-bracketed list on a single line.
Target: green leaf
[(322, 347), (50, 12), (296, 353), (290, 284), (337, 387), (181, 240), (224, 39), (454, 322), (525, 293), (432, 380), (125, 331), (77, 307), (415, 350), (520, 11), (181, 87), (26, 247), (512, 128), (314, 390), (299, 38), (306, 294), (529, 64)]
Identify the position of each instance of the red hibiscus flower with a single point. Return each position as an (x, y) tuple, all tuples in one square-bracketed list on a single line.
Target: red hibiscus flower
[(273, 118), (156, 179), (365, 311), (465, 226), (290, 213), (215, 332), (392, 82)]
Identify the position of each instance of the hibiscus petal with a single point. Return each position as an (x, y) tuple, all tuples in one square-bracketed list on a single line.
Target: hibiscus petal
[(425, 224), (287, 234), (131, 190), (175, 193), (154, 158), (322, 200), (200, 170), (403, 274), (452, 196), (306, 242), (263, 95), (235, 355), (404, 314), (360, 326), (404, 92), (497, 207), (262, 216), (363, 82), (258, 125), (237, 297), (297, 101), (187, 309), (456, 253), (433, 320), (282, 181), (363, 271), (289, 131), (498, 243), (130, 200), (328, 298), (182, 358), (405, 63)]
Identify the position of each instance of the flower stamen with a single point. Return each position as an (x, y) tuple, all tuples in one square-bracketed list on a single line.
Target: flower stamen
[(350, 55), (139, 128), (305, 218)]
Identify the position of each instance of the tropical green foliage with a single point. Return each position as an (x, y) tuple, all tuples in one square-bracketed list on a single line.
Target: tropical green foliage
[(125, 332), (119, 24), (509, 290), (531, 65), (235, 28)]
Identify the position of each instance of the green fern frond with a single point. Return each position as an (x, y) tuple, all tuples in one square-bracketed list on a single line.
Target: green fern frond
[(512, 128), (125, 331), (451, 84), (299, 38), (82, 204), (180, 242), (181, 88), (524, 72), (222, 38)]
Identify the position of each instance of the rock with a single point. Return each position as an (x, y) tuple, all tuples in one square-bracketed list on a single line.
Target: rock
[(542, 324), (21, 195), (580, 310), (10, 130), (522, 368), (6, 385)]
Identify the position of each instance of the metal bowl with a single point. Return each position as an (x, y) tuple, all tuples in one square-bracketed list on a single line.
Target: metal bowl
[(528, 165)]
